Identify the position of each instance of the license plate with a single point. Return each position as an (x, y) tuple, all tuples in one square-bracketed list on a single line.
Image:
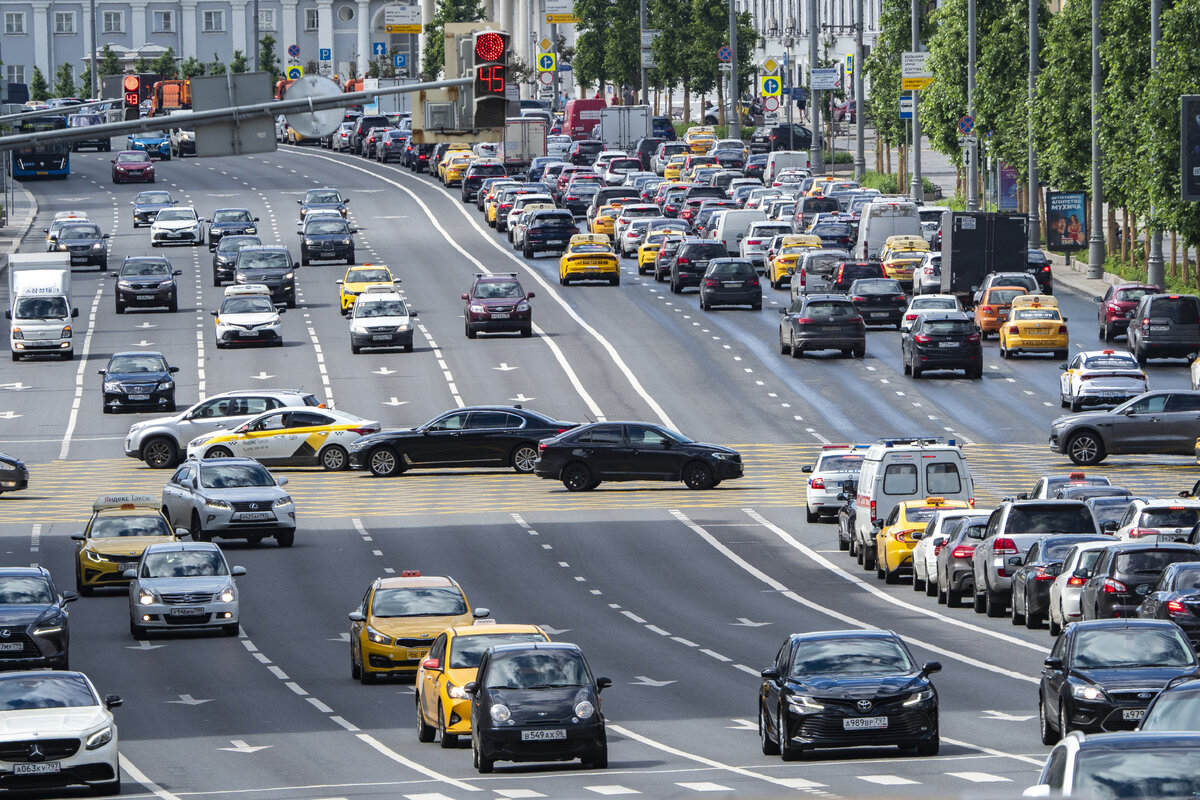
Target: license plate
[(500, 316), (1037, 333), (1160, 328), (126, 566), (145, 297), (732, 284), (78, 259), (544, 736), (8, 647), (248, 334), (174, 235), (253, 516), (1133, 714), (864, 723), (190, 611), (416, 655), (878, 314), (40, 768), (139, 397), (381, 337), (555, 241), (947, 344)]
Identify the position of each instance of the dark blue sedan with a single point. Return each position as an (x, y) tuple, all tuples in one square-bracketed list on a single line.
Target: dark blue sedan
[(156, 143)]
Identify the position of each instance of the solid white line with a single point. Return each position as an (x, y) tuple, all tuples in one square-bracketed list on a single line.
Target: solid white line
[(83, 357), (413, 765), (141, 778)]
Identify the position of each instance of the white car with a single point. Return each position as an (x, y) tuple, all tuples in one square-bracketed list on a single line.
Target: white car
[(55, 730), (289, 437), (558, 146), (247, 316), (1068, 587), (628, 214), (927, 302), (1163, 520), (183, 585), (933, 538), (927, 276), (600, 165), (615, 169), (341, 137), (281, 128), (836, 464), (178, 225), (381, 318), (1100, 377)]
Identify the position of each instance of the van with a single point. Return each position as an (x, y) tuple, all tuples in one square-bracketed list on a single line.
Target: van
[(884, 218), (895, 470), (731, 229), (808, 207), (784, 159), (581, 116)]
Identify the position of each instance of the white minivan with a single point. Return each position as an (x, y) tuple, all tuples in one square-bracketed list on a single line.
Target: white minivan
[(895, 470), (883, 218), (784, 159), (733, 225)]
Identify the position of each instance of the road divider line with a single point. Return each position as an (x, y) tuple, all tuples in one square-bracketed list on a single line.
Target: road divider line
[(413, 765), (141, 778), (83, 359)]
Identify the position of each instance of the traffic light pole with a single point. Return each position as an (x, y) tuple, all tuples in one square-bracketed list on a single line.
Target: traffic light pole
[(554, 83), (916, 189), (1155, 271), (734, 99), (817, 153)]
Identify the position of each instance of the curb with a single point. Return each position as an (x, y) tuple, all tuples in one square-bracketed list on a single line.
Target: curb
[(20, 222)]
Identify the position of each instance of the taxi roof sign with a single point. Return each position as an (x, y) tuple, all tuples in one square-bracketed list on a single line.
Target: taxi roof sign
[(589, 238), (1035, 300), (801, 240), (246, 288), (126, 502), (380, 288)]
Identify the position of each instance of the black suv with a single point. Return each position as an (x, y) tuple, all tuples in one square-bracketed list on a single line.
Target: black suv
[(584, 153), (101, 142), (84, 241), (549, 230), (881, 301), (691, 262), (822, 322), (644, 151), (146, 281), (230, 222), (363, 127), (416, 156), (225, 256), (1164, 326), (947, 340), (730, 281), (271, 266), (475, 175), (847, 272), (326, 238), (780, 137), (35, 616), (137, 380), (1123, 574)]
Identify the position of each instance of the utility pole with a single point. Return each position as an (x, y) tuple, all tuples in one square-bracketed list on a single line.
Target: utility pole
[(645, 72), (916, 188), (1095, 240), (554, 47), (92, 44), (817, 153), (1035, 223), (860, 161), (1155, 273), (736, 123), (972, 151), (254, 64)]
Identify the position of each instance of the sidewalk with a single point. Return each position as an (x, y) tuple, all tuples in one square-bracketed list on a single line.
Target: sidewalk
[(20, 219), (1073, 275)]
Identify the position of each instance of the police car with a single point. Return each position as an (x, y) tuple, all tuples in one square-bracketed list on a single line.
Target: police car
[(836, 464), (247, 316)]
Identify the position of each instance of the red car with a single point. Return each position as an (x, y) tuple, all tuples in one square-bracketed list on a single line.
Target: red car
[(497, 303), (1117, 304), (132, 165)]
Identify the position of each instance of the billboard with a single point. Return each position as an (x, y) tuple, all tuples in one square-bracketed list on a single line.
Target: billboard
[(1066, 220), (1008, 188)]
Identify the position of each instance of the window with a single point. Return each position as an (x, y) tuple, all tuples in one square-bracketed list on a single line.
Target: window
[(113, 21), (214, 21), (900, 479), (487, 419), (346, 13), (64, 21), (15, 73), (943, 479), (311, 19), (266, 19), (603, 434), (14, 22), (164, 21)]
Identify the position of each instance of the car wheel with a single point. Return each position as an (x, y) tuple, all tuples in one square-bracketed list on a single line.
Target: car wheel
[(523, 457), (216, 280), (384, 462), (335, 458), (1085, 449), (598, 759), (576, 477), (355, 669), (993, 606), (979, 603), (286, 538), (1106, 332), (425, 731), (1063, 726), (365, 676), (355, 349), (218, 452), (868, 558), (929, 747), (196, 530), (1049, 735), (918, 584), (809, 516), (942, 596), (859, 352), (230, 630), (1018, 618), (931, 587), (137, 631), (1052, 624), (698, 476), (120, 308), (784, 347), (84, 589), (795, 349), (527, 251), (786, 751), (1032, 621), (448, 741), (890, 576), (482, 763), (173, 306), (953, 597), (160, 453), (109, 788), (471, 332)]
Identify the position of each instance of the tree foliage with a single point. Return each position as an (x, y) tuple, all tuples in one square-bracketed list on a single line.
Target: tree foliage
[(268, 61), (1125, 65), (944, 102), (109, 64), (165, 64), (64, 81), (434, 61), (216, 66), (239, 62), (1062, 110), (191, 67), (883, 67), (39, 90), (1002, 82)]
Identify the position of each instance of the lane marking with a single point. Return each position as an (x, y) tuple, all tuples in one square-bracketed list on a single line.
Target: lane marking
[(83, 360), (413, 765), (141, 778)]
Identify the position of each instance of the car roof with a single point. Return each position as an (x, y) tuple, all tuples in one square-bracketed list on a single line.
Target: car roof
[(181, 547), (1125, 622), (20, 572), (224, 461), (1140, 740), (518, 647), (137, 353), (496, 628), (414, 582), (853, 634)]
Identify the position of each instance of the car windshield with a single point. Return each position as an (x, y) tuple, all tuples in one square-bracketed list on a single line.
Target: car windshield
[(175, 214), (555, 218), (539, 669), (233, 215), (381, 308), (41, 307), (112, 527), (1151, 562), (135, 364), (141, 267), (371, 275), (322, 197), (184, 564), (590, 248), (732, 269), (1114, 361), (1050, 518), (846, 657), (235, 243), (132, 158), (1161, 773), (488, 290), (949, 327), (322, 225), (252, 304), (22, 590), (467, 651), (1116, 648), (79, 232), (263, 260), (234, 476), (1108, 509), (152, 198), (1169, 517), (23, 691), (151, 135), (934, 302), (419, 601)]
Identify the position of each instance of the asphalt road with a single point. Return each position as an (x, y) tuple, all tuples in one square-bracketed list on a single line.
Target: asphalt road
[(679, 597)]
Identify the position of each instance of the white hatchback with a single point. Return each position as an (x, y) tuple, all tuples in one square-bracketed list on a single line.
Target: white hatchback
[(928, 302)]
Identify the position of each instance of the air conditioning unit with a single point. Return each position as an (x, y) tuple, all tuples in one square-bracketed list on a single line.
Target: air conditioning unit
[(440, 116)]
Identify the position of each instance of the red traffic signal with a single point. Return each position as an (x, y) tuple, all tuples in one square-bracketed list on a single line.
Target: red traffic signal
[(490, 46), (132, 83)]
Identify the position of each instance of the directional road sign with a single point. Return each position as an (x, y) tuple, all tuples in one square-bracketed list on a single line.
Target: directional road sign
[(400, 60), (914, 70), (326, 53), (546, 62), (724, 54), (379, 48), (295, 72), (966, 125), (294, 50), (769, 86)]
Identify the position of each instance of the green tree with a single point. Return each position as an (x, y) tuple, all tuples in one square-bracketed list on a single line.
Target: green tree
[(747, 37), (165, 64), (191, 67), (434, 61), (64, 81), (591, 63), (882, 69), (39, 90), (673, 62), (708, 32), (1002, 83), (1125, 64), (85, 84), (267, 60), (216, 66), (1063, 106), (240, 62), (109, 63), (141, 65), (944, 102)]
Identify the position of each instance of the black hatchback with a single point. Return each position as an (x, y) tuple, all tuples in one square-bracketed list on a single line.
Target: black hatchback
[(942, 341), (549, 230), (881, 301), (691, 262), (730, 282), (822, 322), (1037, 570), (1124, 574), (1175, 596), (146, 281)]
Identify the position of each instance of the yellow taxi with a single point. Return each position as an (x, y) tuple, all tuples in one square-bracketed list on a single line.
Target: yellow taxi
[(674, 168), (453, 151), (121, 527), (356, 281), (289, 437), (895, 542), (783, 264), (443, 708), (489, 198), (453, 173), (815, 189), (605, 219), (1034, 325), (700, 139), (589, 257), (695, 162), (901, 255), (394, 627), (649, 248)]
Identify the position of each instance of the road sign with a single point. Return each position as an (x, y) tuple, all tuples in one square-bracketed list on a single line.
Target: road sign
[(294, 50), (546, 78), (379, 48), (966, 125), (770, 104), (295, 72), (908, 84), (849, 64), (826, 78), (725, 54), (546, 62), (966, 140), (914, 71), (648, 60), (906, 106), (560, 11), (402, 19), (648, 35), (770, 65), (769, 86), (400, 60), (561, 19), (326, 53), (545, 44), (771, 117)]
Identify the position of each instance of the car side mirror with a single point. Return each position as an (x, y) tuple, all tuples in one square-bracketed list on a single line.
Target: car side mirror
[(1064, 319), (172, 370), (1037, 790), (99, 372), (471, 687), (432, 664), (112, 701), (1053, 663), (770, 674), (74, 313), (112, 274), (339, 281), (300, 202), (182, 532), (842, 496), (105, 236), (283, 481), (603, 683), (237, 572), (1064, 367), (481, 613), (129, 574), (69, 596), (1098, 299), (918, 535), (1015, 561), (930, 667), (1023, 496), (1053, 569), (255, 219), (177, 272), (806, 468), (356, 616), (79, 537), (530, 296), (465, 296), (1185, 493), (354, 230), (214, 313), (1082, 574), (1109, 526)]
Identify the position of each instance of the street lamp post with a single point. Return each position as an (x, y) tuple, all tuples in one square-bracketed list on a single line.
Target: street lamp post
[(1095, 240), (1155, 272), (972, 153), (92, 44), (916, 189), (860, 160), (733, 71), (1035, 223), (817, 155)]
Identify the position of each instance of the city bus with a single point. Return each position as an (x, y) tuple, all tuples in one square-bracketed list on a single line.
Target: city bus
[(43, 160)]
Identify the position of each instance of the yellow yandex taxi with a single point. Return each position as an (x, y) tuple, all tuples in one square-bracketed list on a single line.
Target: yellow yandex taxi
[(121, 527), (700, 140), (695, 162), (894, 543), (780, 270), (442, 705), (292, 437), (589, 257), (453, 174), (489, 199), (902, 244), (1034, 325), (649, 248), (356, 281), (605, 219), (393, 628), (455, 150), (672, 171), (901, 255)]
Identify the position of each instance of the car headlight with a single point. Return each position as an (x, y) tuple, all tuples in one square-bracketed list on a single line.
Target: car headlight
[(227, 595), (112, 386), (310, 242), (166, 385), (49, 625), (1087, 692), (165, 284), (62, 247), (377, 637), (124, 284), (724, 456), (456, 692), (476, 308), (93, 557), (584, 709), (213, 502), (405, 328), (356, 327), (286, 500), (500, 713), (289, 275), (923, 696), (97, 245), (522, 306), (146, 597), (803, 704), (100, 738)]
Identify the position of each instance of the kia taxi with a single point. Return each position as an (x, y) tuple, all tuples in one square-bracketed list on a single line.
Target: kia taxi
[(457, 165), (901, 255), (783, 263), (648, 249), (894, 543), (589, 256), (605, 220), (393, 628), (443, 706), (295, 437), (993, 307), (700, 139), (1034, 326), (121, 527), (356, 281), (452, 152), (1100, 377), (674, 168)]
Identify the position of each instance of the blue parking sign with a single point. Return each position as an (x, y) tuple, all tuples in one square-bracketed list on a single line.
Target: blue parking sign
[(326, 53), (400, 61)]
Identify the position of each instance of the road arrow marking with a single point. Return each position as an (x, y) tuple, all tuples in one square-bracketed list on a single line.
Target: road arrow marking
[(142, 343), (16, 387), (552, 631), (504, 367), (384, 371), (742, 725), (241, 747), (9, 415), (1000, 715), (147, 325), (144, 645), (341, 637), (642, 680), (262, 376), (745, 623), (395, 402), (520, 398), (188, 700)]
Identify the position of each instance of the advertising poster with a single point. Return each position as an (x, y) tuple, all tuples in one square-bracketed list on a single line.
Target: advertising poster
[(1008, 188), (1066, 220)]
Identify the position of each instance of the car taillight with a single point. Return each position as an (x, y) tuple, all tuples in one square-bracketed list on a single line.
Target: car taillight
[(1004, 546), (364, 431), (923, 338), (1073, 581), (1146, 323), (910, 316), (817, 483), (1176, 607), (974, 337), (903, 536), (754, 241), (858, 299), (987, 310), (872, 511), (1139, 532), (1040, 574), (753, 281), (1062, 330), (856, 320), (937, 548), (810, 321), (1013, 330), (1046, 268), (542, 447), (711, 283), (683, 262), (963, 551), (1113, 586)]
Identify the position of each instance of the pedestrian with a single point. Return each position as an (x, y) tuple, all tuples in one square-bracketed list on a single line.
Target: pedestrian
[(801, 93)]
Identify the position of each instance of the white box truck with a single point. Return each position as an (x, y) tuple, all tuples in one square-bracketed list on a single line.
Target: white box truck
[(40, 308), (621, 127), (524, 140)]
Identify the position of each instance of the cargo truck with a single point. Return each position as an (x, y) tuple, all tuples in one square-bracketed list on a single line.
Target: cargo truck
[(40, 307), (524, 140), (622, 127), (976, 244)]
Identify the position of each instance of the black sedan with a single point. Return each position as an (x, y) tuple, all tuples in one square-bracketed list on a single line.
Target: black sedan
[(34, 619), (326, 238), (323, 198), (477, 436), (847, 689), (536, 702), (730, 281), (85, 243), (138, 381), (833, 234), (146, 206), (549, 230), (822, 322), (14, 475), (942, 341), (881, 301), (1031, 580), (146, 281), (225, 256), (230, 222), (1102, 674), (1175, 596), (633, 451)]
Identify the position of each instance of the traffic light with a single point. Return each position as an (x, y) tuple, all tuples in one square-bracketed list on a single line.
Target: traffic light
[(133, 96), (490, 100)]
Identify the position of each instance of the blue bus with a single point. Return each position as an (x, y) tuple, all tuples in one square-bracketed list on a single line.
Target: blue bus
[(42, 160)]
